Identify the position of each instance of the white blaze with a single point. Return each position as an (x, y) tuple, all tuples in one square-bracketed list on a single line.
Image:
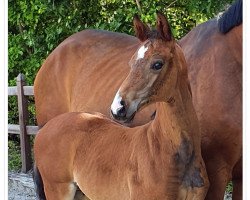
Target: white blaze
[(116, 104), (141, 52)]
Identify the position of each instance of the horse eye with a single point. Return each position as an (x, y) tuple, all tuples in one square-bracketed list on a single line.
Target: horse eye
[(157, 65)]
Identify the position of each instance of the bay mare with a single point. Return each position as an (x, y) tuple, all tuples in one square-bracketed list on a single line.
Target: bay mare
[(214, 60), (84, 72), (159, 160)]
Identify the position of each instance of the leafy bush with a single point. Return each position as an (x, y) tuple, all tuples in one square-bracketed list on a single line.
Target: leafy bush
[(36, 27)]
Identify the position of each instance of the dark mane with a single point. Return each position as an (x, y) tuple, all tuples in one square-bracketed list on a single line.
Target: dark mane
[(231, 18)]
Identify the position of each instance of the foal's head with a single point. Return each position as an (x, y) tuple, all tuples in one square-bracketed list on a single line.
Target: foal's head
[(154, 70)]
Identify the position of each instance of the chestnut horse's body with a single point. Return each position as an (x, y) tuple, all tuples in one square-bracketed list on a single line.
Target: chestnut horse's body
[(85, 71), (159, 160), (109, 161)]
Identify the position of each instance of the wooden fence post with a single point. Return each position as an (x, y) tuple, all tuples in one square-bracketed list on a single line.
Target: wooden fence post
[(23, 120)]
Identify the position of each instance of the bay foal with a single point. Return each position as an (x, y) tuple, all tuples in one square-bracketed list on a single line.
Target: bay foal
[(158, 160)]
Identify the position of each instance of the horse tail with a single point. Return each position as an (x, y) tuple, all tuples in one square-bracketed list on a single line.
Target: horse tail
[(38, 184)]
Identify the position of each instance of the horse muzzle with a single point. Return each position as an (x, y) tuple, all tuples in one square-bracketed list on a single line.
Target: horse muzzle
[(121, 115)]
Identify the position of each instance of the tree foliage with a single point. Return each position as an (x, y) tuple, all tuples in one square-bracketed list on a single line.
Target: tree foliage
[(36, 27)]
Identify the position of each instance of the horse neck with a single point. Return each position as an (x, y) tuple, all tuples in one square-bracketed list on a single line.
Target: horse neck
[(234, 42), (176, 116)]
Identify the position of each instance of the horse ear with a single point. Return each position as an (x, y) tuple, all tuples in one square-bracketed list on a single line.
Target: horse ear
[(163, 27), (141, 30)]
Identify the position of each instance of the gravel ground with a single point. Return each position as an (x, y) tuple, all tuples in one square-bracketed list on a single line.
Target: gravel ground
[(21, 187)]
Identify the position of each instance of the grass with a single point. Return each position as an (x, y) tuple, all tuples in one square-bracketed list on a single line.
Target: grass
[(14, 153), (14, 156), (229, 187)]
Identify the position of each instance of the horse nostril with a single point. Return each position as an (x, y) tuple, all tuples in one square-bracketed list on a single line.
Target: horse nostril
[(122, 103), (121, 112)]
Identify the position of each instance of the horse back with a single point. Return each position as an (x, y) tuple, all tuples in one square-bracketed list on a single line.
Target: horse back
[(69, 75)]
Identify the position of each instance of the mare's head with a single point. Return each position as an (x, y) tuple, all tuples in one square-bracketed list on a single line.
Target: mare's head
[(155, 67)]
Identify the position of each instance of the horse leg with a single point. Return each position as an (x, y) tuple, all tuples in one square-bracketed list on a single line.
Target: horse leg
[(219, 175), (54, 190), (237, 189), (237, 181)]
